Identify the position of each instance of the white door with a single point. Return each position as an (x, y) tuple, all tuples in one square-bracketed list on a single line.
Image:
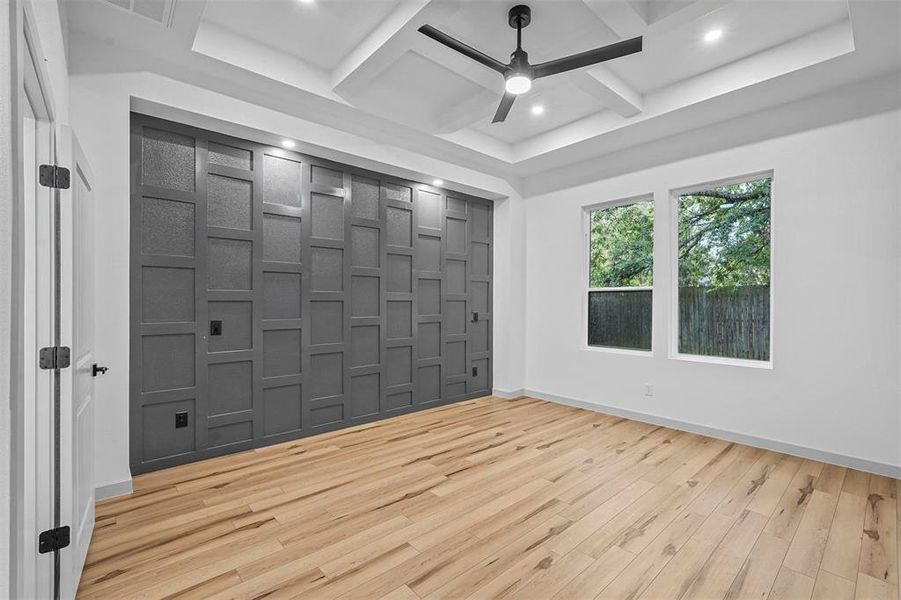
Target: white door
[(77, 417)]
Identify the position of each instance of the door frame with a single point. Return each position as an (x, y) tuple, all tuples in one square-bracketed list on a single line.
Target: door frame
[(29, 79)]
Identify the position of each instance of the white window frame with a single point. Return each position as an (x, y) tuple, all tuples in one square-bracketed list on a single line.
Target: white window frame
[(586, 275), (675, 194)]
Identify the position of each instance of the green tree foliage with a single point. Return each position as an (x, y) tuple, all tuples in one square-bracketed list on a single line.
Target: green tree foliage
[(622, 246), (724, 236)]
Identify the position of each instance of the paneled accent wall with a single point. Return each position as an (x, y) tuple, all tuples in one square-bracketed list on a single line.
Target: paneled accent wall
[(275, 295)]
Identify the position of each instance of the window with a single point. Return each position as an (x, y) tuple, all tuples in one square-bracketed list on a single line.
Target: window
[(620, 275), (724, 270)]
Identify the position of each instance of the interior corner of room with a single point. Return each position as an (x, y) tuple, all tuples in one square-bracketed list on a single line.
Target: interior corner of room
[(402, 299)]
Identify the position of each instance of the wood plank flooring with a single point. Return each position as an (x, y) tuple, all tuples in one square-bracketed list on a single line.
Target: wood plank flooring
[(496, 498)]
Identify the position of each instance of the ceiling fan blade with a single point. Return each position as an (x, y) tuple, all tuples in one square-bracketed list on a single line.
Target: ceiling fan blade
[(480, 57), (504, 108), (589, 57)]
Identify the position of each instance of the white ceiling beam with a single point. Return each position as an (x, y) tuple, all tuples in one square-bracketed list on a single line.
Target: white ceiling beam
[(382, 47), (613, 92), (623, 17)]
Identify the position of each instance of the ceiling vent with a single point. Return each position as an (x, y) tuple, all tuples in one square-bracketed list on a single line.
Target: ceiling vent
[(161, 11)]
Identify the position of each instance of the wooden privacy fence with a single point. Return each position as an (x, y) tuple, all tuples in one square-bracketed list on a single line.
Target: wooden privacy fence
[(732, 322), (728, 322)]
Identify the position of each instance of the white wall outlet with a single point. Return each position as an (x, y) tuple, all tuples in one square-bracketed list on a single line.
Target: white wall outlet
[(649, 389)]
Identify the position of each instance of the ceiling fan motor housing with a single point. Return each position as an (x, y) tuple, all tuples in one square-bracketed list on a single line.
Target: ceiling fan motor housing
[(519, 16)]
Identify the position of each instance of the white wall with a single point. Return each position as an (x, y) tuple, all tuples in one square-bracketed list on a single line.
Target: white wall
[(833, 391), (100, 115)]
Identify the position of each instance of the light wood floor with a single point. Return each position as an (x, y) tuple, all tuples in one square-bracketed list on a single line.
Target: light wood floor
[(499, 498)]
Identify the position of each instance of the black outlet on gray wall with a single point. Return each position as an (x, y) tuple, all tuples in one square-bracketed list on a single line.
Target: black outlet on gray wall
[(215, 327), (181, 419)]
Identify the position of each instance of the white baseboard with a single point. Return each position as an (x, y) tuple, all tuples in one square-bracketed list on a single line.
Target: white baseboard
[(842, 460), (111, 490), (508, 394)]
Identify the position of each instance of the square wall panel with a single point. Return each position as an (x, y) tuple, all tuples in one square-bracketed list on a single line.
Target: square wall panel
[(326, 375), (167, 227), (327, 415), (456, 204), (456, 277), (400, 319), (229, 203), (281, 181), (365, 198), (326, 322), (167, 295), (399, 227), (233, 433), (400, 365), (167, 160), (429, 385), (229, 156), (429, 340), (399, 400), (365, 299), (364, 243), (237, 326), (281, 409), (481, 221), (481, 266), (429, 209), (328, 270), (327, 216), (456, 236), (167, 362), (398, 192), (230, 264), (231, 387), (428, 253), (364, 345), (364, 395), (281, 296), (281, 352), (455, 316), (327, 177), (159, 436), (429, 297), (400, 273), (480, 296), (281, 238), (455, 358)]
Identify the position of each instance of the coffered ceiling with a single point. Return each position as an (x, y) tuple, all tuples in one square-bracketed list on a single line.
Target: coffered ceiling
[(361, 65)]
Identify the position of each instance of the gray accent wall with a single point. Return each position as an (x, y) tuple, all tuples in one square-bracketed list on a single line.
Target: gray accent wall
[(344, 296)]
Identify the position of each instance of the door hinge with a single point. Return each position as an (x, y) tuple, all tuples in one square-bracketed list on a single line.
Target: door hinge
[(52, 176), (53, 540), (54, 357)]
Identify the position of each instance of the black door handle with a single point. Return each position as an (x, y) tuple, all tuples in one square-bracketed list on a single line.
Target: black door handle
[(97, 370)]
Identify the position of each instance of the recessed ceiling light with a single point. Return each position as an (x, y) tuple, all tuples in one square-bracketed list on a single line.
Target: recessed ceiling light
[(306, 1), (713, 35), (287, 143), (538, 109), (438, 182)]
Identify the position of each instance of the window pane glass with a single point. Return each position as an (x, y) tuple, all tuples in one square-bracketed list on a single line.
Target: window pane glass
[(620, 319), (724, 271), (621, 260)]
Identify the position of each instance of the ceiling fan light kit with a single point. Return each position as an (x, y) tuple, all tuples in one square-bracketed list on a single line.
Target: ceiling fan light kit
[(519, 73)]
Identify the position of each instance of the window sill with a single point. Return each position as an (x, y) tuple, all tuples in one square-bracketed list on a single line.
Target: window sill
[(611, 350), (731, 362)]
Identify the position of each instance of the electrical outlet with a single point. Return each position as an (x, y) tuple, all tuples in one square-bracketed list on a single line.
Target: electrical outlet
[(181, 419), (216, 327), (648, 389)]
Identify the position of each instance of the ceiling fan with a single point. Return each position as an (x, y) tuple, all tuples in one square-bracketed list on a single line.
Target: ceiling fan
[(518, 73)]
